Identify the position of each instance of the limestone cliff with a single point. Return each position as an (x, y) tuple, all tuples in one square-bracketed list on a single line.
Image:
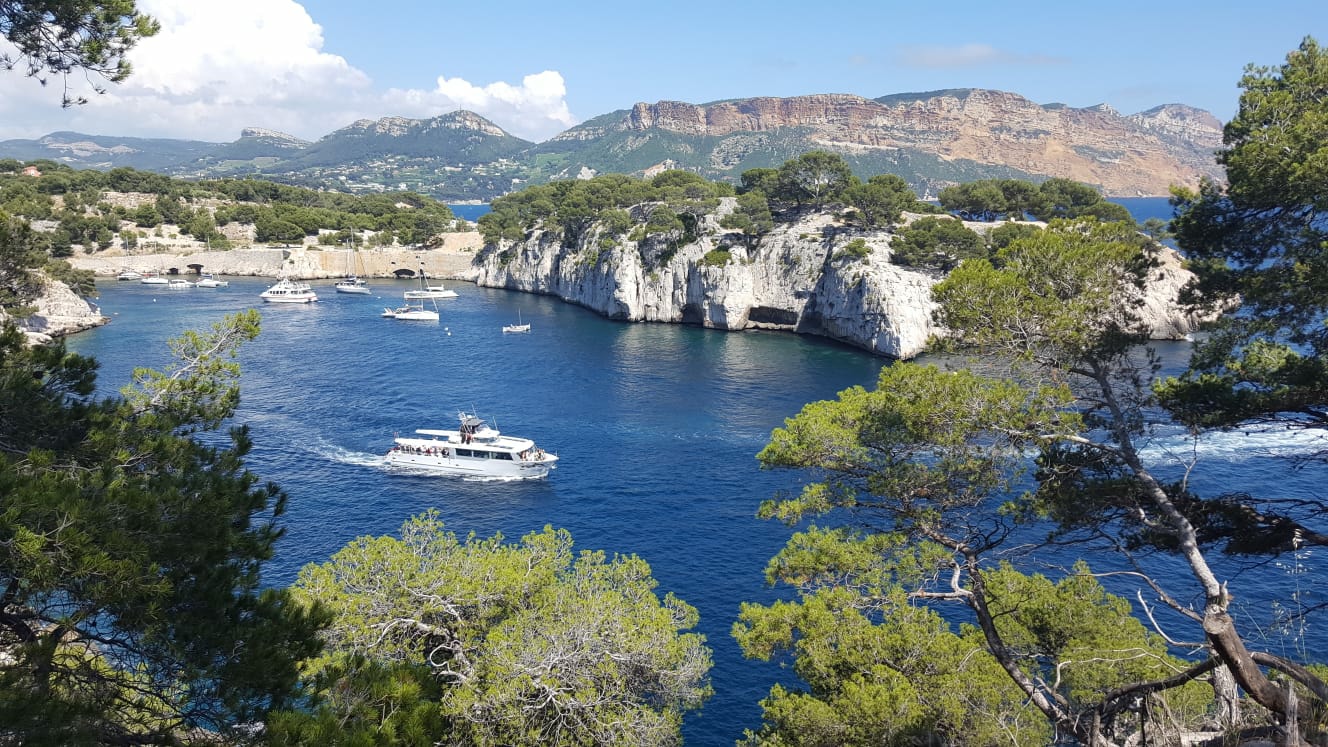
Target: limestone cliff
[(967, 134), (795, 280), (60, 311)]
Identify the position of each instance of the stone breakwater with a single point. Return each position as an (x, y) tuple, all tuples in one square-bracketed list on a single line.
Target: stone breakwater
[(309, 262)]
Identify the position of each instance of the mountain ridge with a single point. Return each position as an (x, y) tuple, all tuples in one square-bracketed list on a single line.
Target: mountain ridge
[(932, 139)]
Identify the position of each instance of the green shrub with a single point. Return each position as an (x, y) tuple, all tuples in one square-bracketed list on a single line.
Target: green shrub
[(716, 257), (856, 249)]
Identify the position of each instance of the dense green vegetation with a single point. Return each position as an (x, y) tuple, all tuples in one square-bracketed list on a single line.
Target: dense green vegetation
[(130, 552), (925, 482), (77, 202), (520, 644)]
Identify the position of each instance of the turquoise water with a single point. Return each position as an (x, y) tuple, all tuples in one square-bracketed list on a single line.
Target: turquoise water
[(657, 427)]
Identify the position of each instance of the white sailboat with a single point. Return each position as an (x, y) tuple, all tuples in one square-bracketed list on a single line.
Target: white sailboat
[(413, 310), (352, 283), (428, 291), (518, 327)]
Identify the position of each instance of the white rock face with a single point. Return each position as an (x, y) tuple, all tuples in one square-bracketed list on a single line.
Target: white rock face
[(60, 311), (794, 280)]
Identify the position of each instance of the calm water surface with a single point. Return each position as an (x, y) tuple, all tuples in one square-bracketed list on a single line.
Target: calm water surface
[(656, 425)]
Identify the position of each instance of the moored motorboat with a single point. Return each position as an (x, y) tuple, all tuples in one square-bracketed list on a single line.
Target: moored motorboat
[(179, 284), (152, 278), (207, 281), (129, 275), (287, 291), (474, 449), (430, 291)]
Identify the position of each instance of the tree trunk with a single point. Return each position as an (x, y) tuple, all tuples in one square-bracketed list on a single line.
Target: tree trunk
[(1226, 695)]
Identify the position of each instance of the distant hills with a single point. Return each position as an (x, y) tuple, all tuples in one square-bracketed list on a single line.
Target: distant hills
[(932, 139)]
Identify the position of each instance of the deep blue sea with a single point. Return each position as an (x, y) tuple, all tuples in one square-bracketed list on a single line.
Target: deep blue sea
[(657, 427)]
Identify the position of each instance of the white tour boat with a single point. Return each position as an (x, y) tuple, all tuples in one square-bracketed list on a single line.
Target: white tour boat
[(207, 281), (473, 449), (286, 291)]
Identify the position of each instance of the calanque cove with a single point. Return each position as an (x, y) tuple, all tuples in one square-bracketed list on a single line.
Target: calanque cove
[(797, 277)]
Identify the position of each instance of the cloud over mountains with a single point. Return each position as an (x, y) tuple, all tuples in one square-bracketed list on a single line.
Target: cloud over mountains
[(218, 67)]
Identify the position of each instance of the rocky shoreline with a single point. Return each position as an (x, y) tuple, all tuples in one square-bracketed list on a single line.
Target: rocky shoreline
[(795, 280)]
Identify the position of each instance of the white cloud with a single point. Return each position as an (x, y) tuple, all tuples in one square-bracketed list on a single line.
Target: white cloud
[(216, 68), (968, 55), (536, 109)]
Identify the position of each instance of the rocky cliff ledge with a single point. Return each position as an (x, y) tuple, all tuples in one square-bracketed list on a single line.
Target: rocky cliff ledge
[(794, 280), (60, 311)]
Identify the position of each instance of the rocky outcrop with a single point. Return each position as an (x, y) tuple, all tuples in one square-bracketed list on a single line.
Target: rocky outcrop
[(796, 279), (60, 311)]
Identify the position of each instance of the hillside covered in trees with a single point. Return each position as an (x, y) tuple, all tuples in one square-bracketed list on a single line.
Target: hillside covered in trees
[(94, 209)]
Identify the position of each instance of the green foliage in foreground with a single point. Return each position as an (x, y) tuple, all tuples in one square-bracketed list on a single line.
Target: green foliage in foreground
[(130, 553), (948, 466), (66, 36), (485, 642)]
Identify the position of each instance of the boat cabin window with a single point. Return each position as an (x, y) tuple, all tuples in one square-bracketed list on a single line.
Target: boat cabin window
[(467, 453), (500, 455)]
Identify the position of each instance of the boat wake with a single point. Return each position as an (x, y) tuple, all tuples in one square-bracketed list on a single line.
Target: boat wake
[(1241, 444), (355, 458)]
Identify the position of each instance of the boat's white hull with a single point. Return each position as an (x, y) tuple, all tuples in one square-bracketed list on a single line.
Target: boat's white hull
[(419, 295), (517, 328), (359, 290), (416, 316), (286, 291), (470, 466), (153, 281)]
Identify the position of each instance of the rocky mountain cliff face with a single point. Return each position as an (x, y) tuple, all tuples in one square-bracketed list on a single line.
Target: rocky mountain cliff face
[(932, 140), (793, 280), (1142, 154)]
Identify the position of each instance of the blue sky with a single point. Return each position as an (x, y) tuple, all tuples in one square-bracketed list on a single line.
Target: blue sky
[(536, 68)]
